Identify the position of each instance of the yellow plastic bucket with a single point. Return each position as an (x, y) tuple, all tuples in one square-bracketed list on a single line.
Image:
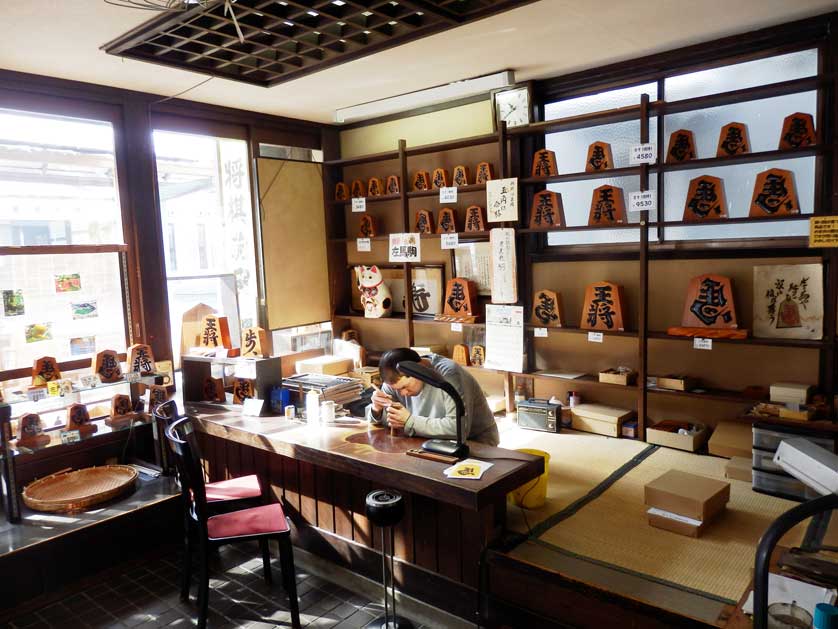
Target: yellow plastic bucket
[(533, 494)]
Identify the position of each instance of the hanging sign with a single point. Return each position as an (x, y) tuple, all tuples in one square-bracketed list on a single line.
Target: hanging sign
[(502, 200), (823, 231)]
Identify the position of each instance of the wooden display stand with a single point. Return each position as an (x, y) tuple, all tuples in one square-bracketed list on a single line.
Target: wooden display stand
[(599, 157), (798, 131), (439, 179), (547, 309), (460, 302), (366, 226), (460, 176), (424, 222), (421, 180), (733, 140), (681, 147), (485, 172), (705, 199), (774, 194), (393, 184), (547, 210), (375, 187), (544, 164), (709, 310), (45, 370), (475, 219), (106, 366), (603, 309), (446, 221), (359, 189), (197, 369), (608, 207)]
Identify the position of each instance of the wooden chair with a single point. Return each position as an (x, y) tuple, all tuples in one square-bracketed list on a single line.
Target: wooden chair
[(256, 523)]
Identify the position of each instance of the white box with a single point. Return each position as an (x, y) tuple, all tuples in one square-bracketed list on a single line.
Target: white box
[(811, 464), (794, 392)]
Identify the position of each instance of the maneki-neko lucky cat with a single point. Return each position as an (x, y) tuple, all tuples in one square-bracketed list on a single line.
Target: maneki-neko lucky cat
[(375, 294)]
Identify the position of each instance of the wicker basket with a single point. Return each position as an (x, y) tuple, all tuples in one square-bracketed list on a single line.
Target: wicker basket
[(76, 490)]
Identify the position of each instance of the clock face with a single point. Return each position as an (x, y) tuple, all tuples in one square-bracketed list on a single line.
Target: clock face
[(513, 107)]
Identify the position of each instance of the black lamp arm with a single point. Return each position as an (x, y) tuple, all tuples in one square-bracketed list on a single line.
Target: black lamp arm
[(431, 377)]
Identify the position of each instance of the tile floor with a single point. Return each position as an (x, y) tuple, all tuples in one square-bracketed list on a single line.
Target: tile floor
[(145, 594)]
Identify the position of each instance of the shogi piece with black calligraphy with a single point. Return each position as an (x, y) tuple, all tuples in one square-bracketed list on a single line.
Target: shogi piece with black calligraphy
[(733, 140), (485, 172), (213, 390), (122, 411), (460, 355), (709, 310), (141, 359), (705, 199), (78, 418), (547, 309), (157, 395), (460, 301), (393, 184), (439, 179), (478, 355), (798, 131), (254, 342), (341, 192), (460, 176), (681, 147), (421, 180), (375, 187), (475, 219), (774, 194), (359, 188), (366, 226), (215, 332), (446, 221), (544, 164), (599, 157), (608, 206), (424, 222), (45, 370), (603, 308), (31, 432), (243, 389), (106, 366), (547, 210)]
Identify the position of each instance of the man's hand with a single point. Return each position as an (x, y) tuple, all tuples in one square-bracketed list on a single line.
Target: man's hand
[(397, 415), (380, 401)]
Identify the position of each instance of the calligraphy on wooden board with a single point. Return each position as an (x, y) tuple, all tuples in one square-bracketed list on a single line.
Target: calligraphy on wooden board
[(45, 370), (460, 176), (215, 332), (599, 157), (393, 184), (424, 222), (603, 308), (709, 310), (774, 194), (544, 164), (254, 342), (141, 359), (547, 210), (460, 301), (213, 390), (608, 206), (78, 418), (122, 411), (446, 221), (547, 309), (439, 179), (421, 180), (359, 188), (733, 140), (243, 389), (375, 187), (341, 192), (798, 131), (157, 395), (475, 219), (478, 355), (106, 366), (681, 147), (366, 226), (485, 172), (705, 199), (31, 432)]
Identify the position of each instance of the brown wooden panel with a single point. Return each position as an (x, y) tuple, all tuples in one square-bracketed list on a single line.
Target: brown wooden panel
[(291, 482), (325, 499), (275, 477), (476, 531), (424, 532), (233, 452), (308, 493), (449, 546), (247, 462), (342, 493), (404, 531), (361, 526)]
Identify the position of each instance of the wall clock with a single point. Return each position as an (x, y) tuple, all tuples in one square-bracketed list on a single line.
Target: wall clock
[(513, 106)]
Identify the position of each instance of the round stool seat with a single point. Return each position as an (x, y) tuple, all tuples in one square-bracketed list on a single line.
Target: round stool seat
[(384, 507)]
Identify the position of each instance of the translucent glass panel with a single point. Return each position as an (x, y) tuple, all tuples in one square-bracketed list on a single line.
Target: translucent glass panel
[(600, 102), (57, 181), (66, 306), (571, 147), (738, 76)]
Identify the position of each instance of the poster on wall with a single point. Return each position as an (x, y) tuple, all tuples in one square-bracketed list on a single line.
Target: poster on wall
[(82, 345), (473, 261), (38, 332), (84, 309), (13, 303), (788, 301), (69, 283)]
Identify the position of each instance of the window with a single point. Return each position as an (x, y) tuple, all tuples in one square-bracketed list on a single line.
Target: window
[(202, 246), (171, 262)]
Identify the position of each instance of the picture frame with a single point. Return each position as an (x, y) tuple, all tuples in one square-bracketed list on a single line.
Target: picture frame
[(473, 261), (428, 288), (513, 94)]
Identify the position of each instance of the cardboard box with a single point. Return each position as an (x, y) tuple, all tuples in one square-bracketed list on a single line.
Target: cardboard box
[(586, 424), (801, 414), (693, 497), (368, 375), (691, 442), (794, 392), (731, 439), (677, 383), (739, 468), (612, 376), (599, 418), (431, 349), (329, 365), (675, 523)]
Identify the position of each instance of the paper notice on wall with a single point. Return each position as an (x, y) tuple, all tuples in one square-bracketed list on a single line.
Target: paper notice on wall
[(405, 248), (504, 337), (504, 267), (502, 200)]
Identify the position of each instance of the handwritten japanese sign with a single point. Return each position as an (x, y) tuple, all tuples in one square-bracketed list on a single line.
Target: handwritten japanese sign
[(502, 200), (405, 247)]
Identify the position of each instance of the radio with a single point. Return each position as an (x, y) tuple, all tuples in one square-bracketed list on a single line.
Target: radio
[(537, 414)]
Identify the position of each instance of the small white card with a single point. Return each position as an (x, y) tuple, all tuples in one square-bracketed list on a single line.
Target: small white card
[(70, 436), (456, 327), (448, 195), (700, 343), (449, 241), (643, 154), (502, 200), (132, 377), (595, 337), (245, 369), (542, 332), (405, 247), (646, 200), (359, 204), (252, 407), (363, 244)]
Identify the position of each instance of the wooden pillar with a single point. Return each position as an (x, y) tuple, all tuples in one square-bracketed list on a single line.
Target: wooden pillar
[(642, 313), (408, 283)]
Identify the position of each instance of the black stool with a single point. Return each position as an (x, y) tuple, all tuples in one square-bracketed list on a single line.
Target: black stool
[(385, 509)]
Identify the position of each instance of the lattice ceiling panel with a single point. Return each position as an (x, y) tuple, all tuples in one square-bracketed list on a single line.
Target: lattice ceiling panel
[(287, 40)]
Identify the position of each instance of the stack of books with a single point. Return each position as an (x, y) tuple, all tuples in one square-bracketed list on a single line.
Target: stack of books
[(339, 389)]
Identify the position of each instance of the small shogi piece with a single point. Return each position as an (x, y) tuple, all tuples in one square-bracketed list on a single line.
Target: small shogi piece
[(106, 366), (254, 342), (359, 188), (544, 164), (31, 432), (422, 180), (705, 199), (733, 140), (681, 147), (460, 301), (393, 184), (603, 308), (798, 131), (44, 370), (157, 395), (460, 355), (475, 219), (78, 418), (243, 389), (460, 176), (478, 355), (122, 411), (213, 390), (424, 222), (341, 192), (439, 179), (709, 303), (366, 226), (446, 221), (375, 187), (485, 172), (599, 157), (141, 359), (215, 332), (774, 194), (608, 206), (547, 309), (547, 210)]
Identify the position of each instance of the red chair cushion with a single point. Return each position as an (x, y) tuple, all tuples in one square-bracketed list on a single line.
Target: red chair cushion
[(234, 489), (254, 521)]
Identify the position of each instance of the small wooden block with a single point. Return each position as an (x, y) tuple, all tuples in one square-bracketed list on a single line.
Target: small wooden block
[(375, 187), (460, 176), (141, 359), (432, 456), (547, 309), (709, 303), (460, 355), (78, 418), (393, 184), (544, 164), (708, 333), (798, 130), (121, 406), (608, 206), (254, 342), (681, 147), (215, 332), (440, 178), (341, 192), (460, 297), (106, 366), (366, 226), (359, 188), (547, 210), (45, 370), (213, 390), (475, 219), (774, 194), (446, 222), (733, 140), (31, 432), (478, 355), (424, 222), (243, 389), (705, 199), (599, 157), (157, 395), (603, 309), (421, 180), (485, 172)]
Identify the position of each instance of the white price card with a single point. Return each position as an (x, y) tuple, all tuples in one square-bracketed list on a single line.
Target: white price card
[(449, 241), (359, 204), (70, 436), (363, 244), (456, 327), (595, 337), (132, 377), (504, 337), (542, 332), (700, 343), (646, 200), (502, 200), (405, 247), (448, 195), (643, 154)]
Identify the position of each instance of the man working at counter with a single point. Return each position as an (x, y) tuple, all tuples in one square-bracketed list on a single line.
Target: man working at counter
[(425, 411)]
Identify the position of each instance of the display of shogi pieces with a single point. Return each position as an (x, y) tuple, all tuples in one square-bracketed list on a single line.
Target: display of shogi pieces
[(141, 359), (485, 172), (709, 309), (475, 219), (798, 131), (421, 180), (705, 199), (439, 178), (608, 207), (213, 390), (603, 308), (78, 418), (547, 211), (359, 188), (547, 309), (393, 184), (122, 411), (215, 332), (460, 176), (446, 221), (44, 370), (681, 147), (254, 342), (478, 355), (774, 194), (157, 395), (424, 222), (599, 157), (375, 187), (544, 164), (367, 226), (460, 302), (31, 432), (243, 389), (460, 355), (106, 366), (733, 140), (341, 192)]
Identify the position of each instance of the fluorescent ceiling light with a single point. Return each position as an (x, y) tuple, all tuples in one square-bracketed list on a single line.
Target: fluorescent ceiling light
[(423, 98)]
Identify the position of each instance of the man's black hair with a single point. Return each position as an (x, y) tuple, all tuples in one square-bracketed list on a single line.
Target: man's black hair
[(388, 362)]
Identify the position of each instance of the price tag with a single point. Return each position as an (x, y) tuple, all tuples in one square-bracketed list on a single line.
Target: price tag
[(647, 200), (36, 394), (449, 241), (54, 388), (253, 407), (595, 337), (448, 195), (132, 377), (643, 154), (542, 332), (359, 204), (456, 327), (70, 436), (699, 343), (363, 244)]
